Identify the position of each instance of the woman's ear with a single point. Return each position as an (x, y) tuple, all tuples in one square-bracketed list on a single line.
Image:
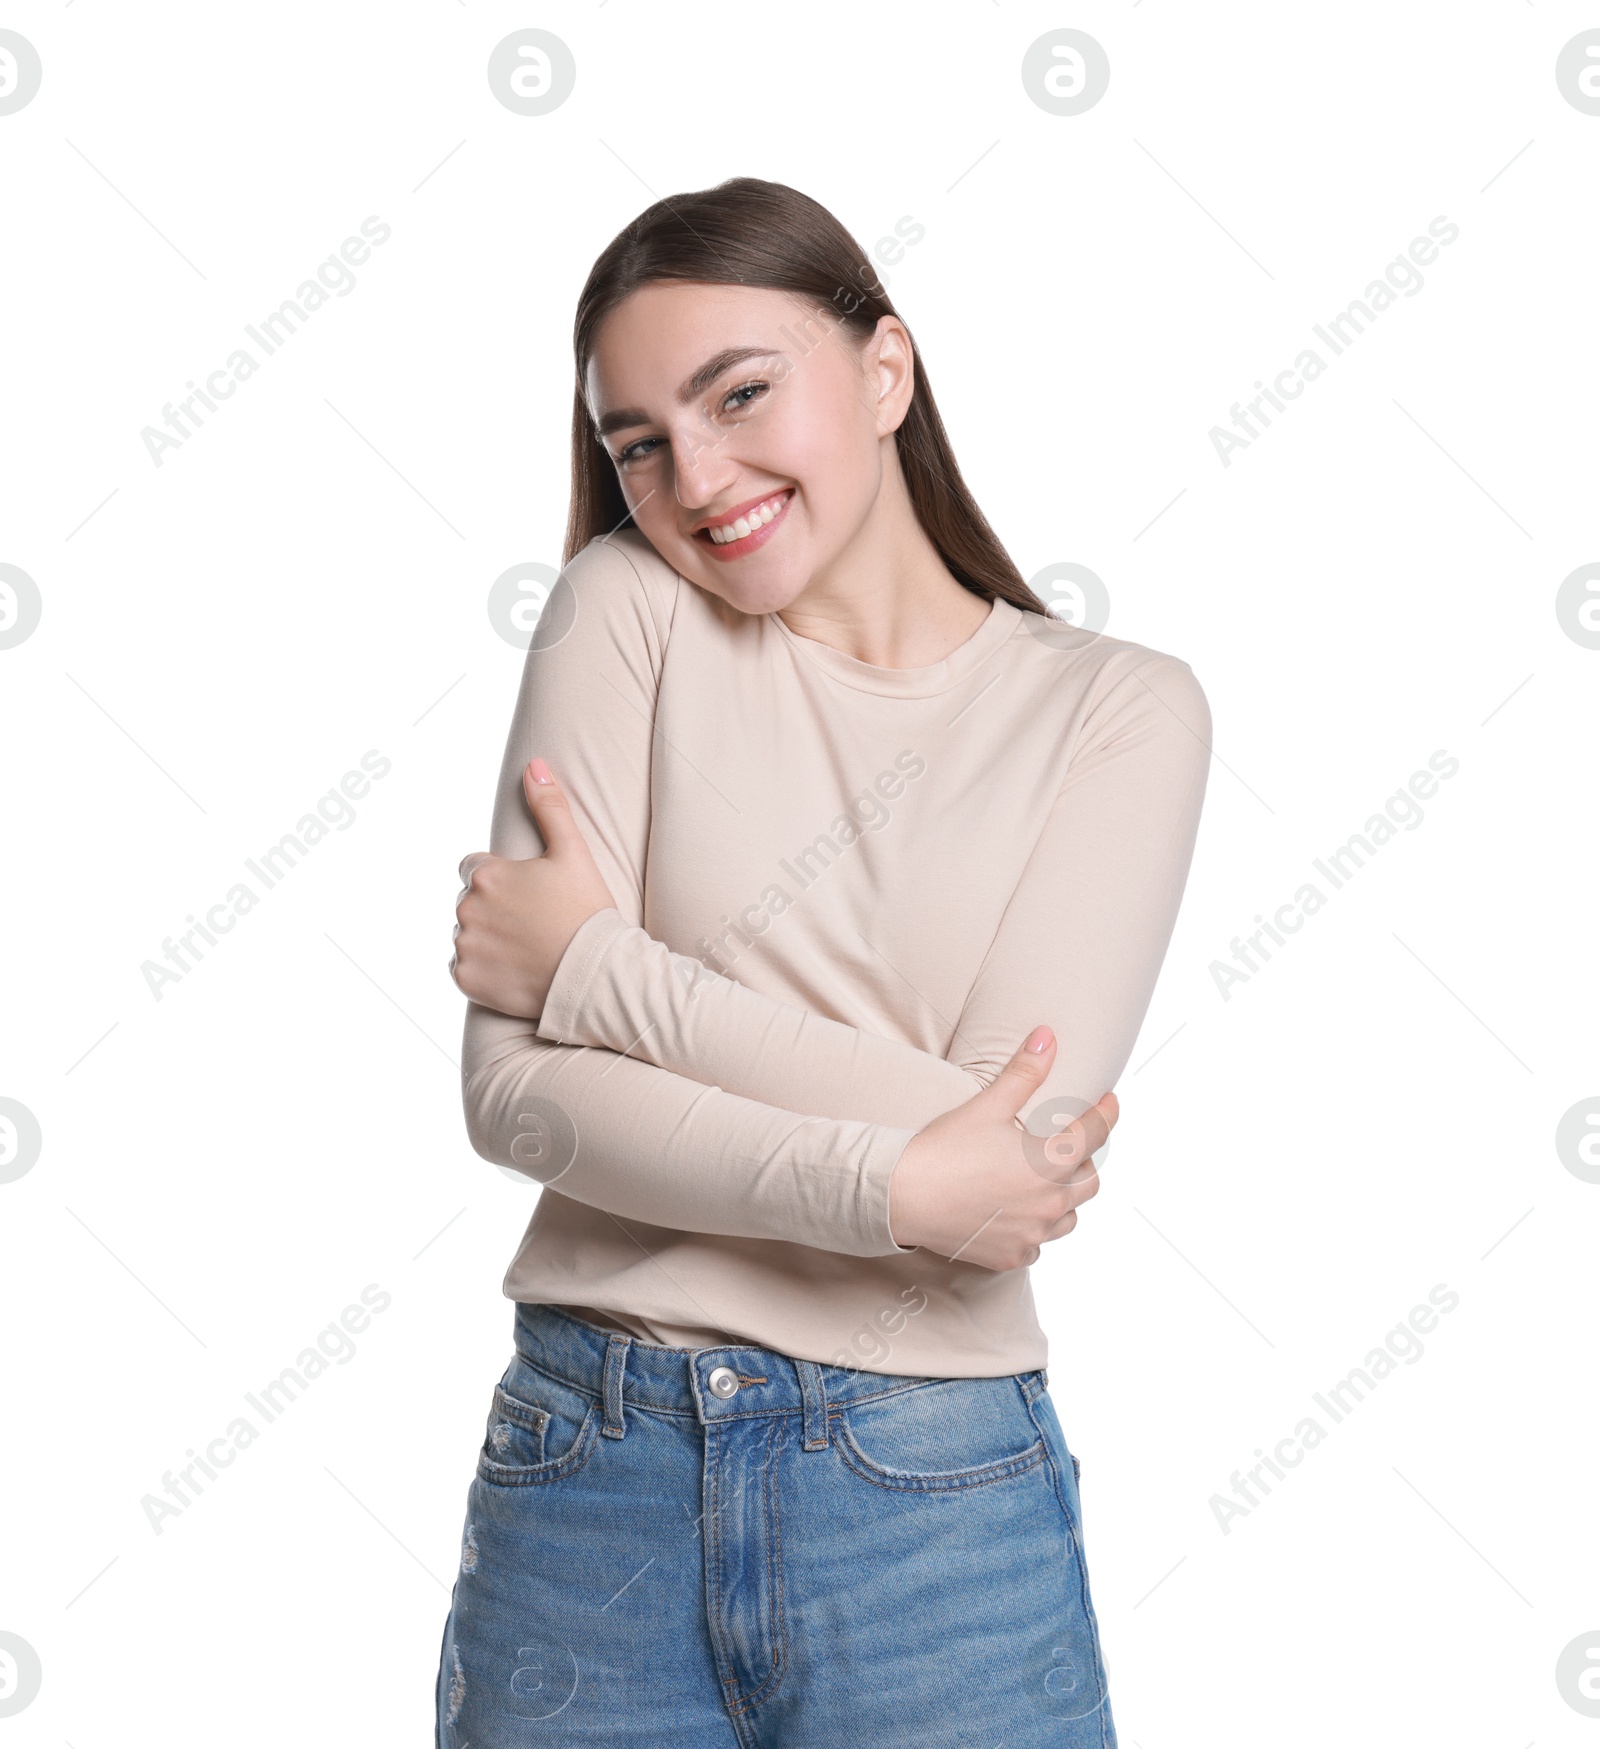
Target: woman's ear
[(891, 372)]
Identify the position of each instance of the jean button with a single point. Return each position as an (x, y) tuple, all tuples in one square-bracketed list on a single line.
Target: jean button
[(723, 1381)]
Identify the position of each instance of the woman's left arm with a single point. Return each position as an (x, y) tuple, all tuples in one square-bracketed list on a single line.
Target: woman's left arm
[(1084, 938)]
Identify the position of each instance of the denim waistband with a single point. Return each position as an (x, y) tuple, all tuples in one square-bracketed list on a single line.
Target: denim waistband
[(617, 1369)]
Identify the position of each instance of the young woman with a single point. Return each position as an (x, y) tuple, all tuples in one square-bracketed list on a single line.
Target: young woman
[(831, 812)]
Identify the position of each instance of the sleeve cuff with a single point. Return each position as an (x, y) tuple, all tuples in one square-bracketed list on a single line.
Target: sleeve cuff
[(883, 1154), (561, 1021)]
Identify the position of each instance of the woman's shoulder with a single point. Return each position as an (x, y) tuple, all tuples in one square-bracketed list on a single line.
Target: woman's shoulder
[(1106, 693), (619, 581), (1095, 665), (620, 564)]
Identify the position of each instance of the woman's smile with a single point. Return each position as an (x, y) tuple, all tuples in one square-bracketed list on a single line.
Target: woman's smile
[(744, 528)]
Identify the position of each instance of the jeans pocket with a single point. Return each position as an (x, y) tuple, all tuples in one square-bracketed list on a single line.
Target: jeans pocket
[(949, 1433), (540, 1429)]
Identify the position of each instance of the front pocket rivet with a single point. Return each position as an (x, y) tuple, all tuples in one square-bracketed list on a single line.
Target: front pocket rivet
[(723, 1381)]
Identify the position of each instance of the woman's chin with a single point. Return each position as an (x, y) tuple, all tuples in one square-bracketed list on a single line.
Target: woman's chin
[(748, 592)]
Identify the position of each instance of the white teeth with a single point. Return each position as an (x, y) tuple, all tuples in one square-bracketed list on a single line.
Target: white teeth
[(748, 523)]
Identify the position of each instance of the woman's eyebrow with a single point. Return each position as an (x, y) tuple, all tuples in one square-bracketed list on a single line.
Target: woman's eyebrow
[(692, 386)]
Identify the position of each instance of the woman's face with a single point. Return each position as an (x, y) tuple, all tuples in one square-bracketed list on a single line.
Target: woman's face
[(746, 412)]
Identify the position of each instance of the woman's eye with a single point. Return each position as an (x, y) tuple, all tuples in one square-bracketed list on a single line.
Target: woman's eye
[(732, 402), (635, 451)]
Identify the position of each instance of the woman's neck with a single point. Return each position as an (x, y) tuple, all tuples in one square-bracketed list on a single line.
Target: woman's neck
[(888, 599)]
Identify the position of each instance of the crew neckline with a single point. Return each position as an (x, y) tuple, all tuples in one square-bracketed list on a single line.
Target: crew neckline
[(922, 682)]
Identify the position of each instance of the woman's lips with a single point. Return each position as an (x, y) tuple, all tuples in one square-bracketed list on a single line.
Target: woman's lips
[(736, 549)]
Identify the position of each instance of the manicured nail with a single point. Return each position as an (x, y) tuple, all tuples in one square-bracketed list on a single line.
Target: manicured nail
[(541, 771), (1038, 1039)]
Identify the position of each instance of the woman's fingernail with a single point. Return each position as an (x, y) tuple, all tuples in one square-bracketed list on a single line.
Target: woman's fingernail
[(1037, 1039), (541, 771)]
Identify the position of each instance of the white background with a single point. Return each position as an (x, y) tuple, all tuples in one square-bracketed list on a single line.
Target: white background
[(223, 636)]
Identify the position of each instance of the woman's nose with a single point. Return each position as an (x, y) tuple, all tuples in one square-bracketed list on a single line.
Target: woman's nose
[(703, 468)]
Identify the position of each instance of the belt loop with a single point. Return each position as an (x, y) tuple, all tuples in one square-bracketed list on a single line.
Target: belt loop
[(813, 1406), (616, 1359)]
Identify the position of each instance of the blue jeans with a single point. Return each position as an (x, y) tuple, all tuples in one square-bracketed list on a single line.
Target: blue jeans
[(727, 1546)]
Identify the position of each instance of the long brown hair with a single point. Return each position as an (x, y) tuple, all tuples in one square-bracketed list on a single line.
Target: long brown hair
[(749, 232)]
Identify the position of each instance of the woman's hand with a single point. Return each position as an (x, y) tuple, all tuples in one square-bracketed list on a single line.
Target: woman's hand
[(515, 918), (975, 1187)]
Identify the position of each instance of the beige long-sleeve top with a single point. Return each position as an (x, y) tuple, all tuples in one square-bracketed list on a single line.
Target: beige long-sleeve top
[(844, 895)]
